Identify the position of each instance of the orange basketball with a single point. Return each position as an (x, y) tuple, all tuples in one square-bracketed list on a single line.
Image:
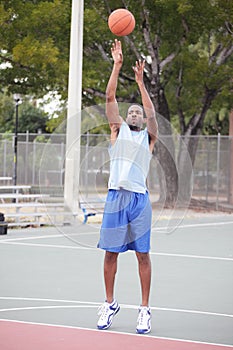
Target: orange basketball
[(121, 22)]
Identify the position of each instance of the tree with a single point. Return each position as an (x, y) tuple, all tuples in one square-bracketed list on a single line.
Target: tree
[(31, 118), (187, 45), (7, 113), (34, 46)]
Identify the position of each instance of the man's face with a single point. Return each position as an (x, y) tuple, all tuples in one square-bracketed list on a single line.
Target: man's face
[(135, 116)]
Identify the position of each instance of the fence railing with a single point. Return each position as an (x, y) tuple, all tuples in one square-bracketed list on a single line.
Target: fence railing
[(41, 165)]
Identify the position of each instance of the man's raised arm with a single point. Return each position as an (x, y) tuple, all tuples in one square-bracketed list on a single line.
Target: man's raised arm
[(152, 125), (112, 110)]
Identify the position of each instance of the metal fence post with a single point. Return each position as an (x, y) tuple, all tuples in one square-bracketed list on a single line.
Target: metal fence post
[(62, 163), (207, 170), (34, 162), (218, 169), (26, 158), (4, 157), (86, 164)]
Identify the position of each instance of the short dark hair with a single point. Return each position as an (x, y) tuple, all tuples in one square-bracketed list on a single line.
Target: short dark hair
[(138, 105)]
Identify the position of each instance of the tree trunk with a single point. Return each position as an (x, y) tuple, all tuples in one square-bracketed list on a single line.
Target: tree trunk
[(165, 152), (186, 157)]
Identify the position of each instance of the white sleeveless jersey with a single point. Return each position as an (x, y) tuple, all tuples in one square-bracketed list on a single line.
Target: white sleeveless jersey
[(129, 160)]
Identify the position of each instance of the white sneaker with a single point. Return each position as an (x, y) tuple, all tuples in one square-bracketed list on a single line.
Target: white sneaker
[(107, 312), (144, 320)]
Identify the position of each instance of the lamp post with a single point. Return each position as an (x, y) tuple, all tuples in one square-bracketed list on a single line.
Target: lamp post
[(17, 100)]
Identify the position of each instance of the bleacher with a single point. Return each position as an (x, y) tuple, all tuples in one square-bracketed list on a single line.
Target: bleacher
[(22, 208)]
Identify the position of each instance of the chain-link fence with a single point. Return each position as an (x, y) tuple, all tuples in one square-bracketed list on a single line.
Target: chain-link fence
[(41, 165), (213, 170)]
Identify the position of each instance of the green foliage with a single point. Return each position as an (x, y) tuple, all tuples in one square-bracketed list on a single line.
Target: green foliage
[(53, 123), (34, 43), (31, 118), (192, 30), (7, 113), (217, 121), (34, 52)]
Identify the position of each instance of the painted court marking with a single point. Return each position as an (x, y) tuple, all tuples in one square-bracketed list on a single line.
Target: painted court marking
[(60, 246), (208, 224), (204, 224), (39, 336), (89, 304)]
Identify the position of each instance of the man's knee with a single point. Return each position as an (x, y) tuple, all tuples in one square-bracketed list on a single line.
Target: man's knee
[(110, 257), (143, 258)]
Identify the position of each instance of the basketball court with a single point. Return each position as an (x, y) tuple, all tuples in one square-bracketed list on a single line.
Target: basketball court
[(52, 285)]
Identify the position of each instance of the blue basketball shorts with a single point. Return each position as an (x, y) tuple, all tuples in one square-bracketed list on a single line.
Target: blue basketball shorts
[(126, 222)]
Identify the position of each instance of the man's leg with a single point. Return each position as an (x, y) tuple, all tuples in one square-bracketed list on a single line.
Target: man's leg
[(144, 315), (110, 269), (144, 267), (110, 307)]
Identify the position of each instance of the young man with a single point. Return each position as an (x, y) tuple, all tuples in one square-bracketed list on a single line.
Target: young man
[(126, 221)]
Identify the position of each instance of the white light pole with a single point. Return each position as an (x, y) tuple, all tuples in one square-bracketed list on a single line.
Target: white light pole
[(73, 131), (17, 100)]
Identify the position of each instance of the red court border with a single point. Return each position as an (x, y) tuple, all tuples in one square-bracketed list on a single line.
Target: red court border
[(17, 335)]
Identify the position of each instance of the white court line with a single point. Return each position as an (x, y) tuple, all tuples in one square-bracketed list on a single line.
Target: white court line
[(121, 333), (83, 304), (47, 307), (122, 307), (82, 247), (61, 235), (50, 300), (88, 247), (191, 256), (53, 245), (204, 224), (97, 232), (67, 235)]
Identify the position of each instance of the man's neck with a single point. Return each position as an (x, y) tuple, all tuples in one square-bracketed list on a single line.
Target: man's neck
[(134, 128)]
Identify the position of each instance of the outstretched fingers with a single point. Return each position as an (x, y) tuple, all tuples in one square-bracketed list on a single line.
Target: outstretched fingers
[(138, 70), (116, 45), (116, 51), (139, 66)]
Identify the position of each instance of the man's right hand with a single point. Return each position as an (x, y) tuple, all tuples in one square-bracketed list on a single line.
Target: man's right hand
[(117, 54)]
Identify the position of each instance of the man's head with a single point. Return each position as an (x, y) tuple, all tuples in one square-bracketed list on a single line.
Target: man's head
[(135, 117)]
